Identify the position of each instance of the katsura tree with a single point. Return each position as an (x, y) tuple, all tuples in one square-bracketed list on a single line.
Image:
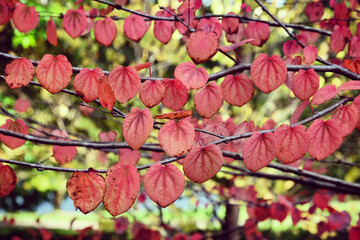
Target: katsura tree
[(199, 121)]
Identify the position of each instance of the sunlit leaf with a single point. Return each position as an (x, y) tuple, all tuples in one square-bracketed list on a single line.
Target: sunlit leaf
[(19, 73), (8, 180), (18, 126), (105, 31), (86, 83), (134, 27), (305, 84), (258, 31), (106, 94), (208, 100), (129, 156), (151, 93), (190, 76), (202, 46), (348, 117), (176, 94), (74, 22), (25, 18), (237, 90)]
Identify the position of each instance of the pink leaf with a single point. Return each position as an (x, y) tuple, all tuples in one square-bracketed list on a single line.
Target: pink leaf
[(291, 143), (268, 73), (348, 117), (339, 37), (51, 32), (176, 94), (106, 94), (163, 30), (230, 25), (21, 105), (19, 73), (5, 12), (105, 31), (125, 82), (237, 90), (137, 127), (176, 138), (164, 184), (314, 11), (349, 85), (74, 22), (18, 126), (325, 138), (234, 46), (208, 100), (151, 93), (129, 156), (305, 84), (203, 163), (25, 18), (310, 54), (324, 94), (107, 136), (238, 35), (190, 76), (258, 31), (259, 151), (202, 46), (354, 50), (8, 180), (134, 27), (86, 83), (244, 127), (300, 109), (54, 73), (63, 154), (122, 187), (143, 65), (217, 128), (278, 211), (86, 189)]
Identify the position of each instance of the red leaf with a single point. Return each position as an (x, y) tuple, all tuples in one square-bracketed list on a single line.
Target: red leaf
[(25, 18), (151, 93), (188, 14), (18, 126), (51, 32), (339, 38), (134, 27), (354, 233), (86, 189), (208, 100), (305, 84), (122, 187), (129, 156), (19, 73), (230, 25), (244, 127), (121, 225), (190, 76), (349, 85), (258, 31), (125, 82), (142, 66), (290, 74), (259, 151), (268, 73), (348, 117), (5, 12), (74, 22), (234, 46), (106, 94), (21, 105), (354, 50), (107, 136), (208, 25), (137, 127), (278, 211), (237, 90), (176, 138), (325, 138), (324, 94), (217, 128), (63, 154), (295, 215), (238, 35), (86, 83), (338, 221), (164, 184), (314, 11), (353, 66), (203, 163), (105, 31), (321, 199), (7, 180), (291, 143), (163, 30), (202, 46), (341, 12), (176, 94), (175, 115), (310, 54), (54, 73), (291, 47)]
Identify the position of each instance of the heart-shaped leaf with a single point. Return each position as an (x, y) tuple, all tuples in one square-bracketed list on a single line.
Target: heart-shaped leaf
[(125, 82), (176, 94), (305, 84), (19, 73), (105, 31), (164, 184), (314, 11), (107, 136), (25, 18), (348, 117), (237, 90), (202, 46), (258, 31), (86, 189), (18, 126), (325, 138), (176, 138), (259, 151), (203, 163), (7, 180), (134, 27), (163, 30), (190, 76), (268, 73), (151, 93), (74, 22), (63, 154), (137, 127), (54, 73), (230, 25), (208, 100), (310, 54), (129, 156), (122, 187), (86, 83)]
